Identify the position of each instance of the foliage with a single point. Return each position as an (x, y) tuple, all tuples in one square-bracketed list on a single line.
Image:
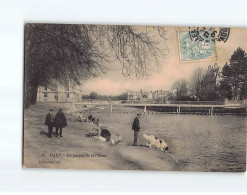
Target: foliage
[(58, 52), (200, 86), (181, 88), (196, 81), (93, 95), (234, 76)]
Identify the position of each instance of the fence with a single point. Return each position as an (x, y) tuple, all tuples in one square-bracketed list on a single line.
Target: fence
[(197, 110), (173, 102), (198, 102)]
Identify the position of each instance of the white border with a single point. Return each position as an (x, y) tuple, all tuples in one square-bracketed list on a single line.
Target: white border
[(13, 15)]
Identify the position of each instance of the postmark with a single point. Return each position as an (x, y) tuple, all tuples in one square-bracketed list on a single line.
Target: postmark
[(209, 34), (191, 50)]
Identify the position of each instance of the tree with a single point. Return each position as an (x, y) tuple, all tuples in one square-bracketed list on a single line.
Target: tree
[(195, 82), (58, 52), (181, 87), (93, 95), (234, 76), (243, 91), (123, 96), (209, 84)]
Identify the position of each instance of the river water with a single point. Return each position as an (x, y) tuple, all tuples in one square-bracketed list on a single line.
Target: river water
[(196, 142)]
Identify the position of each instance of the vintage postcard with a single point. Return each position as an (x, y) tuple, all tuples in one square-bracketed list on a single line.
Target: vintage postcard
[(117, 97)]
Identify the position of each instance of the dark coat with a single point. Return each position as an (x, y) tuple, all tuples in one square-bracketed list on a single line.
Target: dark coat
[(136, 124), (60, 120), (106, 134), (49, 119)]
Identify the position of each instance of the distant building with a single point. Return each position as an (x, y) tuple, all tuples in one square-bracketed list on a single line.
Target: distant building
[(134, 95), (158, 96), (58, 93)]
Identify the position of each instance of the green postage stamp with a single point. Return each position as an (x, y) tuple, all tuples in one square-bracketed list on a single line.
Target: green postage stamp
[(195, 49)]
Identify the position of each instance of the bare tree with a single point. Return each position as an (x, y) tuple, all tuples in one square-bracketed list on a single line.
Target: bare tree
[(181, 87), (195, 82), (78, 52)]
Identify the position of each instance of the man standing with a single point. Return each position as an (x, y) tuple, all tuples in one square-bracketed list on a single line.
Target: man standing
[(60, 122), (49, 121), (136, 127)]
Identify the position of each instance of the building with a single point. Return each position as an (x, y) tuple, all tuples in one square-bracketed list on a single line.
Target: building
[(158, 96), (134, 96), (58, 93)]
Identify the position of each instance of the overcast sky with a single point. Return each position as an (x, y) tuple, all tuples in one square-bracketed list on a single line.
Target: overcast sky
[(114, 83)]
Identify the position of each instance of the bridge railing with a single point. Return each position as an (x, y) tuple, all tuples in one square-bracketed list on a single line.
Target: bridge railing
[(198, 102), (141, 102), (173, 102), (95, 101)]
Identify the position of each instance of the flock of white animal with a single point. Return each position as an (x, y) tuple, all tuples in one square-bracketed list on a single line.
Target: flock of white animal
[(115, 139)]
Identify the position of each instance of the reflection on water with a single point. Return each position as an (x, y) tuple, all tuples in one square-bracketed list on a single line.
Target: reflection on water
[(198, 143)]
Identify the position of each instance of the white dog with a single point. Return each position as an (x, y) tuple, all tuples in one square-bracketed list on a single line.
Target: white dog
[(163, 145), (80, 118), (100, 138), (115, 140), (158, 143)]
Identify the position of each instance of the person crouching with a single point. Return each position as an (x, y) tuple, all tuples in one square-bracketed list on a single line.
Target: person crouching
[(60, 122)]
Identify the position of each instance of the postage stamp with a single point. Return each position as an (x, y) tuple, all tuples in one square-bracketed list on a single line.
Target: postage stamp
[(195, 49)]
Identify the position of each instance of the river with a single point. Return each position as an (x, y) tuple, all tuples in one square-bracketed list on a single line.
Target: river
[(196, 142)]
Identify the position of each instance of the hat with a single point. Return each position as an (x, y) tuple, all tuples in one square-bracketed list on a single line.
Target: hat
[(139, 114), (50, 109)]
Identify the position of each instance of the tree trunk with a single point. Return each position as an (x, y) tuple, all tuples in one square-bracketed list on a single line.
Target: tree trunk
[(27, 98), (34, 94), (30, 81), (30, 94)]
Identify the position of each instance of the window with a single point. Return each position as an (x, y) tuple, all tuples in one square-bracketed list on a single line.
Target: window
[(67, 95), (45, 94)]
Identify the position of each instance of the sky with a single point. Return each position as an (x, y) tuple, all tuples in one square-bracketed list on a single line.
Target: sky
[(171, 69)]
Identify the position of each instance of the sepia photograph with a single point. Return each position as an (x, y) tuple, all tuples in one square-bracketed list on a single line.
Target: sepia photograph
[(123, 97)]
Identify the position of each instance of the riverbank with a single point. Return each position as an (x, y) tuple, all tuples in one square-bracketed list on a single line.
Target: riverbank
[(189, 108), (76, 151)]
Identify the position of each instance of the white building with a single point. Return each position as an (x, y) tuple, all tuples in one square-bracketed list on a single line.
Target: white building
[(142, 96), (58, 94)]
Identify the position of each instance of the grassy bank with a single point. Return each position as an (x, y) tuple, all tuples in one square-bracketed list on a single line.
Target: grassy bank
[(76, 151)]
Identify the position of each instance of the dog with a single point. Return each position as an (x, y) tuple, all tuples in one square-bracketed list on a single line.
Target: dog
[(163, 145), (80, 118), (92, 133), (115, 140), (158, 143), (100, 138)]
